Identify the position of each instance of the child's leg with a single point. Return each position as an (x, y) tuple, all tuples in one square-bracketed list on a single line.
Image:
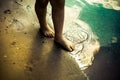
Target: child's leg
[(41, 8), (58, 21)]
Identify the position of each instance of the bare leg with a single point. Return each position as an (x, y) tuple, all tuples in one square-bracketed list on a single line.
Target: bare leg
[(41, 8), (58, 21)]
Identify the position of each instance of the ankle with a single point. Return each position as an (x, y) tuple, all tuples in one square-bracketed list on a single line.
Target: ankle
[(59, 38), (44, 27)]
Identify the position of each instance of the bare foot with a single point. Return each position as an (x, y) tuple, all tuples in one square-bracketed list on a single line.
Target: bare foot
[(68, 45), (47, 31)]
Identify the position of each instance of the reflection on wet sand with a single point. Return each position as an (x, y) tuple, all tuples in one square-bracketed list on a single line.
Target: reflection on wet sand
[(80, 33)]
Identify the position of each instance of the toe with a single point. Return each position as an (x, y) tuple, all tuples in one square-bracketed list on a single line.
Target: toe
[(72, 48), (51, 35), (69, 48)]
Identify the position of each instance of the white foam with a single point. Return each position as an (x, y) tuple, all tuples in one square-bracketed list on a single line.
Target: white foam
[(110, 4)]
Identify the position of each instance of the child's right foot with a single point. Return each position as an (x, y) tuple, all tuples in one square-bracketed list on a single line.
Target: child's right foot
[(68, 45), (47, 31)]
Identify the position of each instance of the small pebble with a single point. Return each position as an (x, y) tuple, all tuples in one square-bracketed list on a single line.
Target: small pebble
[(5, 56), (25, 33), (13, 43), (29, 68), (13, 62), (7, 11)]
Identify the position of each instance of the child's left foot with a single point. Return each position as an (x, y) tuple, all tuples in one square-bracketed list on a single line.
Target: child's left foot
[(68, 45), (47, 31)]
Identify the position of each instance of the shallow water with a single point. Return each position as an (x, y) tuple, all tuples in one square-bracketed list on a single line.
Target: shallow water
[(103, 20)]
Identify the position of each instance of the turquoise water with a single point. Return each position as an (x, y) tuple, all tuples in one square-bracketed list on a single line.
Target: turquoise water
[(105, 23)]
